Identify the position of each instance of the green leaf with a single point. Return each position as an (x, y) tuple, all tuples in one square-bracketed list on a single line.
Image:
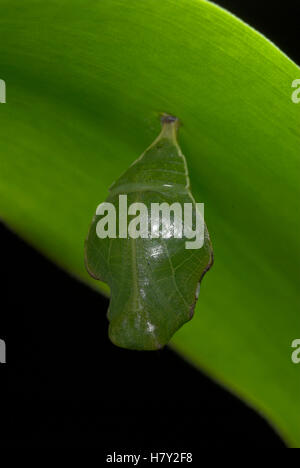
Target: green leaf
[(86, 81), (153, 270)]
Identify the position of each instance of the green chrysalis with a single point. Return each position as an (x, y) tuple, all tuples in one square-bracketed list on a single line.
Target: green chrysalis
[(153, 271)]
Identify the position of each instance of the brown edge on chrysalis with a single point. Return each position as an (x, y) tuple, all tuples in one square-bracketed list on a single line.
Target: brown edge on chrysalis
[(86, 263), (192, 309)]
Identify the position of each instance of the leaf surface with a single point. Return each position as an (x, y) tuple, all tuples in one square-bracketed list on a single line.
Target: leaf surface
[(86, 81)]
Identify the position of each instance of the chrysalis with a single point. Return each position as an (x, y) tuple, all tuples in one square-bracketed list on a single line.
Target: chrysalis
[(140, 244)]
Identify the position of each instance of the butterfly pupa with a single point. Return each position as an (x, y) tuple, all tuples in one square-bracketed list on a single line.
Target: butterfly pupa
[(153, 278)]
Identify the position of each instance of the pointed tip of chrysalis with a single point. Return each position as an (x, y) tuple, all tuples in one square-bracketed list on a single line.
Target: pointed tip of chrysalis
[(167, 118), (170, 125)]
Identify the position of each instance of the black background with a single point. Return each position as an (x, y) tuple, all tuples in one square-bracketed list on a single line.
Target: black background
[(66, 385)]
